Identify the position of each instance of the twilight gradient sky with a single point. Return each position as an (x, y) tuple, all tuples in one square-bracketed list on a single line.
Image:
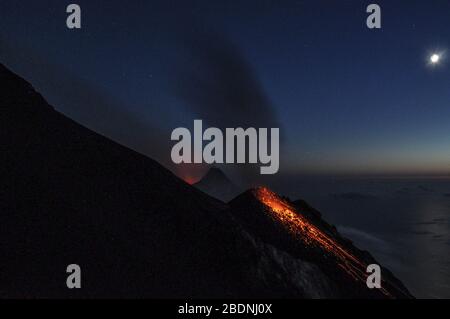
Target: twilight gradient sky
[(348, 99)]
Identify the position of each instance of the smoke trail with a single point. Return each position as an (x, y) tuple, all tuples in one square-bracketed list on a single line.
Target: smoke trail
[(220, 87)]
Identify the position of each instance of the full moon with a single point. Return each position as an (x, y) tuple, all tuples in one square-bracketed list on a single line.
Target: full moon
[(435, 58)]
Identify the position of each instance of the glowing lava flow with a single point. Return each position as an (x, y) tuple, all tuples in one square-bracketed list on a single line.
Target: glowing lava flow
[(299, 226)]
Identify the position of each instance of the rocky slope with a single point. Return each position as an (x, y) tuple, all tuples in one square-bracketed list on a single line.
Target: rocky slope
[(69, 195)]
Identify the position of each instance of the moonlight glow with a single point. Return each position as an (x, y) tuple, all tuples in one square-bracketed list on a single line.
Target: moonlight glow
[(435, 58)]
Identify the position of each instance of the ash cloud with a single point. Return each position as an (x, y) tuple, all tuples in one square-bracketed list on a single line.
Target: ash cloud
[(219, 86)]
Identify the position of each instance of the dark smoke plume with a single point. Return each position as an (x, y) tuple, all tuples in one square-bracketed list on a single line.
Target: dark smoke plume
[(220, 87)]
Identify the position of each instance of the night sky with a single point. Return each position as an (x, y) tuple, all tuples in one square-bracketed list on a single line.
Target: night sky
[(347, 99)]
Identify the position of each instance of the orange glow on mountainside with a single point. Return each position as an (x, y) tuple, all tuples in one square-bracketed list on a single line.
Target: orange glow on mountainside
[(190, 180), (311, 235)]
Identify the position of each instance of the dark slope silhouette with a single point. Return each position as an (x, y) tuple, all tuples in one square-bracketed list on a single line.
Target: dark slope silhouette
[(216, 184), (71, 196)]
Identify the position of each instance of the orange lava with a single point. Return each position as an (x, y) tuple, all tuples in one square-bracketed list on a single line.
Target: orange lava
[(300, 227), (190, 180)]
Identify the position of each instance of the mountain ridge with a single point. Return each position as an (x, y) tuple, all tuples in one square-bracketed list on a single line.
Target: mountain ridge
[(70, 195), (216, 184)]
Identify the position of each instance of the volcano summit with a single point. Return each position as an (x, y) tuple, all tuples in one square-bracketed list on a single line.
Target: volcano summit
[(236, 139), (71, 196)]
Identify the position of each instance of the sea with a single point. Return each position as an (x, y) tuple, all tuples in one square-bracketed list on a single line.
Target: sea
[(403, 222)]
